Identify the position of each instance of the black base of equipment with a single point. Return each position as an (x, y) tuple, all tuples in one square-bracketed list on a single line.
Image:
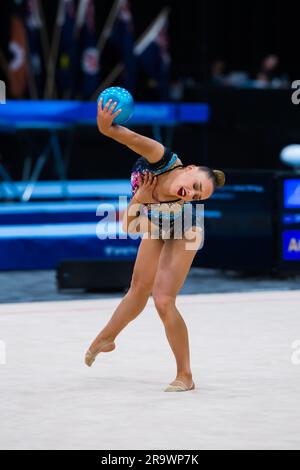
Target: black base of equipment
[(96, 276)]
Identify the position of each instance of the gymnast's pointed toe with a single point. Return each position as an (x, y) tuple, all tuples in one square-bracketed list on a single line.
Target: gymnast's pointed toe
[(179, 386), (89, 358), (105, 348)]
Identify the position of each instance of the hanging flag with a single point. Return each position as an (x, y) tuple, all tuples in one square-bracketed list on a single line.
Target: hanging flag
[(90, 57), (34, 25), (153, 53), (123, 39), (67, 54), (18, 72)]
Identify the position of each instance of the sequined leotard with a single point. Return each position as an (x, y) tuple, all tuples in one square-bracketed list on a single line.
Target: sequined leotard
[(167, 216)]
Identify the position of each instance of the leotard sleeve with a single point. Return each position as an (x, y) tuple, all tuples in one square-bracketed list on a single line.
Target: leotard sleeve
[(165, 163)]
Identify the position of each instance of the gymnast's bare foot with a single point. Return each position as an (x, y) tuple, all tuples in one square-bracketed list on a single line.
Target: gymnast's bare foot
[(99, 346)]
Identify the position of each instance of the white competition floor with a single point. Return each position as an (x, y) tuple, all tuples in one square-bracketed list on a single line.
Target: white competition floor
[(248, 390)]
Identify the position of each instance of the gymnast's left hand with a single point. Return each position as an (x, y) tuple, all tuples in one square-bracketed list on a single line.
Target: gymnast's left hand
[(146, 186), (106, 116)]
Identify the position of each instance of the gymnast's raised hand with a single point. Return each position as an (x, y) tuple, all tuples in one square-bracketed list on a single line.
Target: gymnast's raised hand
[(142, 145), (106, 116)]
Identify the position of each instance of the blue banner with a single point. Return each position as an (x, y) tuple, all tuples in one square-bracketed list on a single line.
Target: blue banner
[(292, 194), (18, 113)]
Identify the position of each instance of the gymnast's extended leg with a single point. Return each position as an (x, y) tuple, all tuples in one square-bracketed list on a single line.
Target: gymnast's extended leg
[(134, 301)]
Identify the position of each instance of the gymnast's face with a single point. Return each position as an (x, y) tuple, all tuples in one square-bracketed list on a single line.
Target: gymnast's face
[(192, 184)]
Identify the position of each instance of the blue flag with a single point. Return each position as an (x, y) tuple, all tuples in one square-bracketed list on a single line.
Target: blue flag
[(90, 59), (153, 54), (123, 39), (67, 57), (18, 70)]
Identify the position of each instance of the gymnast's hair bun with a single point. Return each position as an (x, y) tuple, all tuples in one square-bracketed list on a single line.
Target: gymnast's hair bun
[(220, 178)]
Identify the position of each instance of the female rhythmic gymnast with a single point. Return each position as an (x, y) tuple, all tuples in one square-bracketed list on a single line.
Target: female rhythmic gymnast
[(159, 180)]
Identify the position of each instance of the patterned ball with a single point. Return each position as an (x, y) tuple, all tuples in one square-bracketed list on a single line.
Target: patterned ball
[(125, 102)]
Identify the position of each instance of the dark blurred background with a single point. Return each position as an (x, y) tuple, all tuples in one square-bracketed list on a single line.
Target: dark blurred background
[(201, 31), (240, 58)]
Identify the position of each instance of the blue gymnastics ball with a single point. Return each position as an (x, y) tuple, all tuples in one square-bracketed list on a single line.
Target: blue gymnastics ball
[(125, 102)]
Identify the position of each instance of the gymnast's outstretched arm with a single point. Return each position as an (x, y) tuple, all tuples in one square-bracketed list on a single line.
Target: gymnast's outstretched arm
[(148, 148)]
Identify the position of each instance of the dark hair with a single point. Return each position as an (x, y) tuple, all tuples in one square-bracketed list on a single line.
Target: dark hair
[(217, 176)]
